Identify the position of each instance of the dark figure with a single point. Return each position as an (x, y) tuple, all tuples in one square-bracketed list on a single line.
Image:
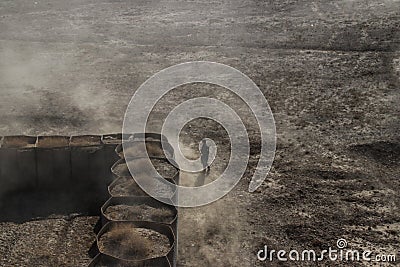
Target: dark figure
[(205, 152)]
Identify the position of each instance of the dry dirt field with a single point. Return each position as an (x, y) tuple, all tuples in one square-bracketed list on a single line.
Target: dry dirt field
[(330, 71)]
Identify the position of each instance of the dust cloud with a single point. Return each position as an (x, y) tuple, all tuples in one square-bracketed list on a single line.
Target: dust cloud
[(43, 92)]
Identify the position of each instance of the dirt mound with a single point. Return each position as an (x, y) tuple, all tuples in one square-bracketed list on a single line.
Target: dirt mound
[(130, 243)]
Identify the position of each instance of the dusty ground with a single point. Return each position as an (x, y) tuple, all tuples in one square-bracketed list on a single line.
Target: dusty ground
[(329, 69), (58, 241)]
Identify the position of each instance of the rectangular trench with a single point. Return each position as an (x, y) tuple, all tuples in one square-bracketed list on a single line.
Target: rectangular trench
[(56, 175)]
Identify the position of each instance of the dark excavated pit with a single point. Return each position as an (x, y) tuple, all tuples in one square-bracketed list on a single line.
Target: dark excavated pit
[(57, 210), (384, 152), (54, 175)]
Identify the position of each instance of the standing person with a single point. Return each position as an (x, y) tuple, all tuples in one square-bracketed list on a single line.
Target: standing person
[(205, 152), (204, 155)]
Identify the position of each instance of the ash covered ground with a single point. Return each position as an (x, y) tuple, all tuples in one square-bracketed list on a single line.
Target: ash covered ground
[(330, 71)]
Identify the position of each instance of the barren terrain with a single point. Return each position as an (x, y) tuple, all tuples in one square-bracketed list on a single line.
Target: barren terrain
[(330, 71)]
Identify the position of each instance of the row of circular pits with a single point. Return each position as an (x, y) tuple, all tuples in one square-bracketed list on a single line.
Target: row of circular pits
[(138, 230)]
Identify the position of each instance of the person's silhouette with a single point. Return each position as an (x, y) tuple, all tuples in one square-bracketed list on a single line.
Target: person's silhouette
[(205, 152)]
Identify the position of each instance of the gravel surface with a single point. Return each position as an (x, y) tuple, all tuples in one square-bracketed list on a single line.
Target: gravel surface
[(50, 242), (163, 167), (127, 188), (139, 212), (130, 188), (134, 243)]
